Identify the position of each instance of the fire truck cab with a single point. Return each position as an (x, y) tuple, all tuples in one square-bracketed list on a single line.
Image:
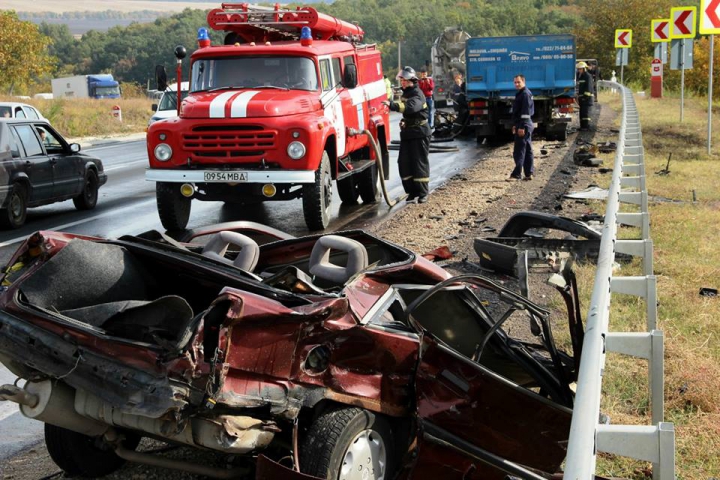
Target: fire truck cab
[(273, 114)]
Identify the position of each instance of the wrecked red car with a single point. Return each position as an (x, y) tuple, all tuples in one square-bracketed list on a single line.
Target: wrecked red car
[(339, 356)]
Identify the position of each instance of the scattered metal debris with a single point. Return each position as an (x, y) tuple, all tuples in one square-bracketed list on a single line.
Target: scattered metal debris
[(708, 292)]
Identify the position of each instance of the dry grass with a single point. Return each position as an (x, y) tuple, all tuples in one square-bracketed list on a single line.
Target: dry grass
[(88, 117), (686, 258)]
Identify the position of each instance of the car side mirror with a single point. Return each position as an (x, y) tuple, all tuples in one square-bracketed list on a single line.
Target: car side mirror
[(350, 77), (154, 107), (74, 147)]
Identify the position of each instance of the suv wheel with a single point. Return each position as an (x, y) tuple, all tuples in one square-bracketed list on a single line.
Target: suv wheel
[(79, 455), (173, 208), (348, 443), (317, 197), (14, 215), (89, 196)]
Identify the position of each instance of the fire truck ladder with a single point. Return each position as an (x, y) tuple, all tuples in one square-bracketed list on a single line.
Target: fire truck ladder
[(254, 23)]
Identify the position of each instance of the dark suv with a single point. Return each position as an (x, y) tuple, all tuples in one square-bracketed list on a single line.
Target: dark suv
[(41, 167)]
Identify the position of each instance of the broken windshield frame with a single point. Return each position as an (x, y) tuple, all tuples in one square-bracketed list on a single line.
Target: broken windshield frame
[(296, 73)]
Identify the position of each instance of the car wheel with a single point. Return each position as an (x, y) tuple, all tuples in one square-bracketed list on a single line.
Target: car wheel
[(14, 215), (369, 184), (79, 455), (348, 190), (173, 207), (317, 197), (348, 444), (89, 196)]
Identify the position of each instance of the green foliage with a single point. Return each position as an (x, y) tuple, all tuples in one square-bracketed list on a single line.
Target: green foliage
[(23, 53)]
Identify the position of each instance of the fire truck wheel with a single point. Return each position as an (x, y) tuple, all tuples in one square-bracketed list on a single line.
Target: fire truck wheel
[(369, 184), (317, 197), (173, 208), (348, 190)]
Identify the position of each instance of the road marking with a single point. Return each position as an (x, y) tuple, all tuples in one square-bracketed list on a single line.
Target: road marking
[(113, 212), (125, 165)]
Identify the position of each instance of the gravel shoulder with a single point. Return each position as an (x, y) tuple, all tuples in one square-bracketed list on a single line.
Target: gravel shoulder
[(454, 216)]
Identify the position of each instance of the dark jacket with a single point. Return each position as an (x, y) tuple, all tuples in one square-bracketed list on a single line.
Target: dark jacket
[(415, 113), (585, 85), (523, 109)]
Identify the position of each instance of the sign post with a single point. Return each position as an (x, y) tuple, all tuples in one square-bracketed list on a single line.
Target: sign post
[(623, 40), (682, 26), (710, 25), (660, 35)]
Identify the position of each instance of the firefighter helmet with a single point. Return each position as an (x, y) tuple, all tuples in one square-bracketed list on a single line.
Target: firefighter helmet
[(581, 65), (407, 73)]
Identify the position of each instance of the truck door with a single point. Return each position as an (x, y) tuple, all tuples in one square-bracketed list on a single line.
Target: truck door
[(36, 163), (353, 103), (332, 104), (471, 410)]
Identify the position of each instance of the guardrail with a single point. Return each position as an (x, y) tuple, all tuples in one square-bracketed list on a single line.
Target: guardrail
[(588, 434)]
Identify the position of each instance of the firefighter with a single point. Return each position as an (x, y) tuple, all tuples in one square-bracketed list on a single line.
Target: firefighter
[(585, 95), (413, 161)]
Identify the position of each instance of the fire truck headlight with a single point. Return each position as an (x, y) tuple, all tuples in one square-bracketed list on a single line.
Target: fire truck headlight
[(296, 150), (163, 152)]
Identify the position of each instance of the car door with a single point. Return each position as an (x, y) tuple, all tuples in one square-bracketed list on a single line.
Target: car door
[(36, 164), (476, 418), (68, 167)]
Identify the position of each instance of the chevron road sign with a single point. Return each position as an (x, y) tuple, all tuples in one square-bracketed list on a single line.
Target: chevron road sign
[(623, 38), (709, 17), (682, 22), (660, 29)]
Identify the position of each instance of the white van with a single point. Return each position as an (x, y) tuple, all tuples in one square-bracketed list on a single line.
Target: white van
[(167, 108)]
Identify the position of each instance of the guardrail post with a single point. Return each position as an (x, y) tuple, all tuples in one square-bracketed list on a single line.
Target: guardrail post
[(654, 444), (640, 220), (638, 248), (644, 287), (650, 347)]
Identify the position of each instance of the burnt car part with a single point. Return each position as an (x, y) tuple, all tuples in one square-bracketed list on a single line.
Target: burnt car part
[(501, 253)]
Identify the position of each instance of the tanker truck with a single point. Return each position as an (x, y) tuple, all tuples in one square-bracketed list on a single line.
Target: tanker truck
[(448, 60)]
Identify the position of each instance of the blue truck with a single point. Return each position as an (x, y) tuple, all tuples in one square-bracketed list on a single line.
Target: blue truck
[(548, 64), (86, 86)]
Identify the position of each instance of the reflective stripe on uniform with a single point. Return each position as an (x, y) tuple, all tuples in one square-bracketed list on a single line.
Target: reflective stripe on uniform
[(407, 178), (588, 94), (401, 107), (422, 180), (525, 116)]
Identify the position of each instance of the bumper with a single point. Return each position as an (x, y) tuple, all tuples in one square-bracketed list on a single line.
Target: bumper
[(232, 176)]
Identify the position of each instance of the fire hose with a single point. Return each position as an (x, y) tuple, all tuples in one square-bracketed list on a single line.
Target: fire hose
[(378, 161)]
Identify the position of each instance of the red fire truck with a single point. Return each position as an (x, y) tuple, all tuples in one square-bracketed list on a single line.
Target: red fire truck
[(274, 114)]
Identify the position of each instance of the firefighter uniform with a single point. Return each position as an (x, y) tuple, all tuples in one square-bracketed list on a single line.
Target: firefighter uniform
[(522, 111), (585, 95), (413, 161)]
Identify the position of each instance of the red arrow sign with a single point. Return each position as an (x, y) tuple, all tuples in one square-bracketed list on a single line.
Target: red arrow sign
[(712, 14), (680, 22), (622, 37), (660, 29)]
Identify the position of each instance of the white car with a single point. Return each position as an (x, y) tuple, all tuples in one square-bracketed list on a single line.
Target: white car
[(20, 110), (167, 108)]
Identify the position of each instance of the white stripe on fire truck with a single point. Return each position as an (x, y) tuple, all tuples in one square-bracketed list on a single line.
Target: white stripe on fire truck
[(217, 106), (375, 89), (238, 109)]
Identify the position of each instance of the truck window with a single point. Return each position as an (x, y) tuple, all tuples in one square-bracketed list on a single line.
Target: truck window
[(337, 75), (297, 73), (29, 139), (325, 75)]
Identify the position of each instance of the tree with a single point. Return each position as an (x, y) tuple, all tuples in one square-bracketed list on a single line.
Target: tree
[(23, 52)]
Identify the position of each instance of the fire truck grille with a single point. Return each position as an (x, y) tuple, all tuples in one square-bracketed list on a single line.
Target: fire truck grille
[(229, 141)]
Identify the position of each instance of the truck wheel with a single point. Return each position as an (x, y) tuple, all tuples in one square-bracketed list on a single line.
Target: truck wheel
[(14, 215), (348, 443), (317, 197), (561, 135), (369, 184), (89, 196), (348, 190), (79, 455), (173, 208)]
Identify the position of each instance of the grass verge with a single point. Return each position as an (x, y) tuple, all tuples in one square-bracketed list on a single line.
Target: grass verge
[(685, 234)]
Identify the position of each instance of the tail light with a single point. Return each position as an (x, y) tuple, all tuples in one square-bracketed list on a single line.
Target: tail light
[(564, 101)]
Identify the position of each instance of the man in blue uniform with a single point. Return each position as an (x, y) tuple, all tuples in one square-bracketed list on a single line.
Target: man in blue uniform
[(522, 111), (413, 161)]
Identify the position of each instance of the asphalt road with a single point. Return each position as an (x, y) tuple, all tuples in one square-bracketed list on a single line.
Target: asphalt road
[(127, 206)]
